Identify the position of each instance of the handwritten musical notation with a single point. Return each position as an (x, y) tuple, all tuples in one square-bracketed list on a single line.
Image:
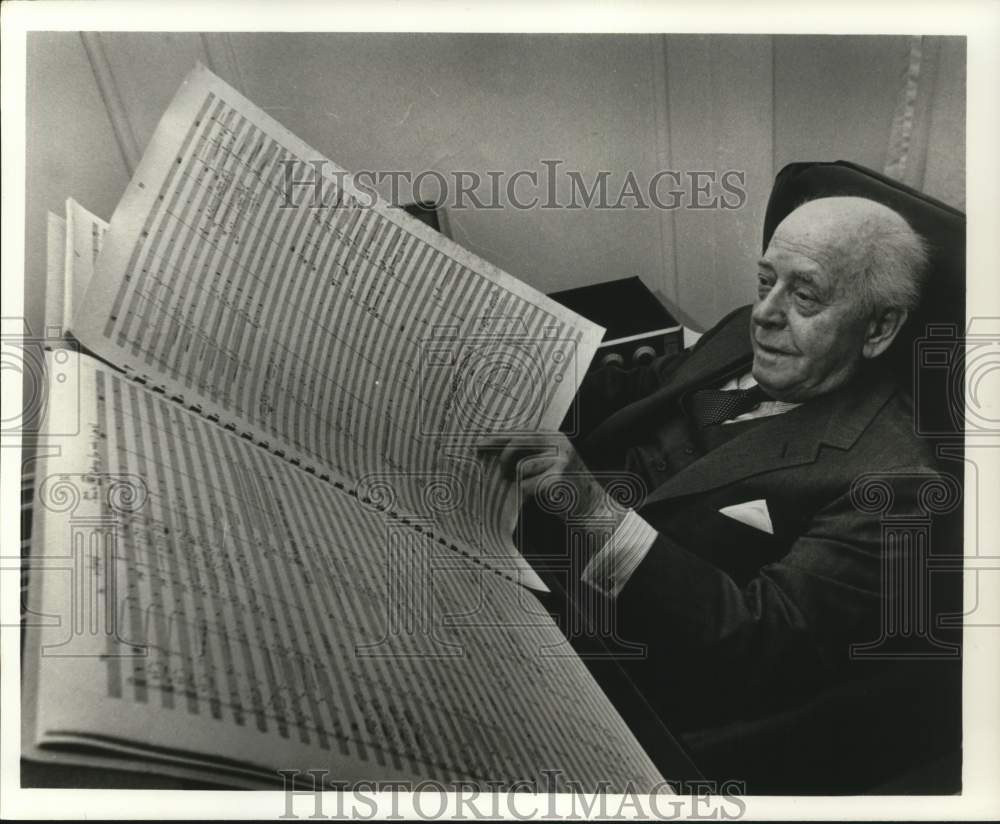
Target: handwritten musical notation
[(317, 570), (270, 601), (347, 335)]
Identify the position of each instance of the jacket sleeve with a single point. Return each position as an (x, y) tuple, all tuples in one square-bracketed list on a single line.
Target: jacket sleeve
[(709, 640)]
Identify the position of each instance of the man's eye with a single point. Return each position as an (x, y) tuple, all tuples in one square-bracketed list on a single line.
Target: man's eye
[(805, 298)]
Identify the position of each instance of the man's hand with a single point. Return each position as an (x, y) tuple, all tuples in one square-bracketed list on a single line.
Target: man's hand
[(546, 466)]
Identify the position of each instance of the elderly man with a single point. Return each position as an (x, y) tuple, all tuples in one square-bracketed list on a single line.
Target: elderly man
[(743, 568)]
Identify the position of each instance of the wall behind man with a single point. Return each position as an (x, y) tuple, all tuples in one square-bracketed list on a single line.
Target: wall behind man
[(491, 103)]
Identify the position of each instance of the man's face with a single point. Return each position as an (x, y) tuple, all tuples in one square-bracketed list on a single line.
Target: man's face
[(808, 328)]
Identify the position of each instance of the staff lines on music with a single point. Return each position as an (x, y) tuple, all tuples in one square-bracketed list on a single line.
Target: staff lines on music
[(239, 520), (272, 650), (471, 716), (235, 516), (294, 398), (238, 526), (283, 603), (219, 298), (335, 210), (468, 526), (338, 425), (193, 333), (349, 239), (161, 675), (224, 305), (290, 617), (355, 440)]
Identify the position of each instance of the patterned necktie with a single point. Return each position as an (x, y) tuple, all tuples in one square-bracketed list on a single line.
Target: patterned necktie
[(712, 406)]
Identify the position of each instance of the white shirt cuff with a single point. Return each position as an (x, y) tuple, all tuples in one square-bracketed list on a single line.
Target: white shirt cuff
[(612, 566)]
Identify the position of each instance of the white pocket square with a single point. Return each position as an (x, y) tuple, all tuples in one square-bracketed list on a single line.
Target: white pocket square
[(751, 513)]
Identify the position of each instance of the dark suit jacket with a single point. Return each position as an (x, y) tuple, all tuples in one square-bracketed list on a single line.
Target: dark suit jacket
[(738, 623)]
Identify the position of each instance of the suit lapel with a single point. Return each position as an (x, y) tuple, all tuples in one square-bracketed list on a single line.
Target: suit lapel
[(784, 440), (729, 354), (729, 349)]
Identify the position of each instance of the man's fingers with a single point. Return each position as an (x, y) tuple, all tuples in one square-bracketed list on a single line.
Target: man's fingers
[(494, 443), (511, 450), (517, 450), (514, 458), (498, 440), (537, 464), (506, 450)]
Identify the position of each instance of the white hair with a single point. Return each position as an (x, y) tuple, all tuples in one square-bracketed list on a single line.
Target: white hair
[(881, 255), (891, 263)]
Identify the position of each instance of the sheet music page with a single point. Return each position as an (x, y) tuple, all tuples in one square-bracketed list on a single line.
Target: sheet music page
[(55, 276), (219, 605), (352, 338), (84, 239)]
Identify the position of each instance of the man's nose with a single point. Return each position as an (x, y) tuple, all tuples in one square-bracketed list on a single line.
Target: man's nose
[(770, 309)]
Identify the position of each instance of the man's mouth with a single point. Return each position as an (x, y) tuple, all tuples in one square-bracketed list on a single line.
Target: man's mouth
[(774, 351)]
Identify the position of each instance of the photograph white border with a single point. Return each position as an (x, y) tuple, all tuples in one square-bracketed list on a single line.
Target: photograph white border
[(979, 22)]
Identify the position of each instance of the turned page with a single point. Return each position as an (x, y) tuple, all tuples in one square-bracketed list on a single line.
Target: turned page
[(85, 233), (247, 277), (200, 601), (73, 244)]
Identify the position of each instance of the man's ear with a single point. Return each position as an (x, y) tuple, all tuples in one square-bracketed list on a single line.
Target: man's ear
[(882, 330)]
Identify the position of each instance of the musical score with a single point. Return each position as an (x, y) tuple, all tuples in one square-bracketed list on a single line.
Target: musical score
[(332, 330), (267, 599), (320, 571)]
